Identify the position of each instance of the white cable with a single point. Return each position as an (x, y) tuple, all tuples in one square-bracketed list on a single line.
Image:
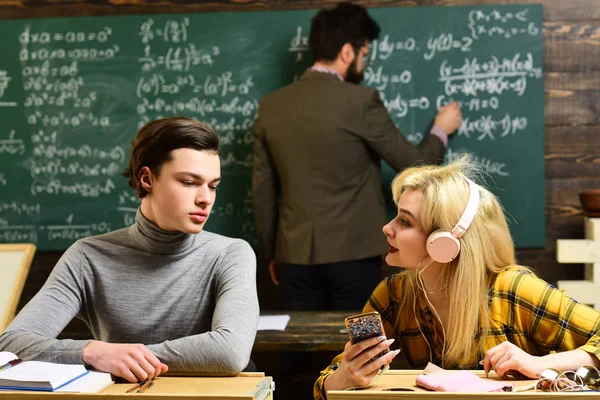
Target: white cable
[(421, 285), (419, 325)]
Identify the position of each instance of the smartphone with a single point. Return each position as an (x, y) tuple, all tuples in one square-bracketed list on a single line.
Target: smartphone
[(365, 326)]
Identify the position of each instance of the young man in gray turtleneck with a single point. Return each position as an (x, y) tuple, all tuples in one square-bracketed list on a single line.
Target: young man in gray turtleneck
[(161, 294)]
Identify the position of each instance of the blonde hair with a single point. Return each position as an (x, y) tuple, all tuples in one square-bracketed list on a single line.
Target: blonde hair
[(486, 249)]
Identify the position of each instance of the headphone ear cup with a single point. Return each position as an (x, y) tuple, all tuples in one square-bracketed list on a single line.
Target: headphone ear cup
[(442, 246)]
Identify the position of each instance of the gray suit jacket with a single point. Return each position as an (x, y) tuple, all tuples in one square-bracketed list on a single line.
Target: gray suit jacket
[(316, 175)]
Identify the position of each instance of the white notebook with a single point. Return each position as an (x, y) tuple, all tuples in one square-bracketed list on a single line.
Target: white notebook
[(45, 376), (92, 382)]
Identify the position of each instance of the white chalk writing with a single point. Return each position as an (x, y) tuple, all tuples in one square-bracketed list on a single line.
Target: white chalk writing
[(11, 145), (489, 166), (494, 76), (487, 127), (493, 23)]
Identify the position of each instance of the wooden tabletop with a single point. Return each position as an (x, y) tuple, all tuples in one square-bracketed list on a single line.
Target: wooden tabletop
[(306, 331), (401, 384), (249, 386)]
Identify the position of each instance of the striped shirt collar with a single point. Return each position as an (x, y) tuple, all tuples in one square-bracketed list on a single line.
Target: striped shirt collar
[(317, 68)]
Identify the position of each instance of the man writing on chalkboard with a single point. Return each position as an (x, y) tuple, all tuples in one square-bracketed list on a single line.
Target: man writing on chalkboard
[(162, 293), (318, 199)]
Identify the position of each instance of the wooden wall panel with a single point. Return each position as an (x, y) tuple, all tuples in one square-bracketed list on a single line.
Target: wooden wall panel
[(572, 98), (571, 47), (572, 152), (554, 10)]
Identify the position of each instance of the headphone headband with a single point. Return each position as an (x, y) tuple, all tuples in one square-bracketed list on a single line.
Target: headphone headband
[(470, 210)]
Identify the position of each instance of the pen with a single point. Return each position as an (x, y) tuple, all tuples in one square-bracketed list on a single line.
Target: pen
[(141, 386), (10, 364), (145, 386), (135, 387), (486, 370)]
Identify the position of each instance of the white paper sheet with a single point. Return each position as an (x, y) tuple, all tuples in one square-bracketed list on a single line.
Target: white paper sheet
[(6, 356), (273, 322), (92, 382)]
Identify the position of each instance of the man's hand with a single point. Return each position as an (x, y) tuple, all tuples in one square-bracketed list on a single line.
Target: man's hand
[(449, 118), (134, 362), (274, 272)]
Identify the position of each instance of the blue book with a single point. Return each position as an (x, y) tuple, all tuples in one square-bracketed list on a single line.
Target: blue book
[(36, 375)]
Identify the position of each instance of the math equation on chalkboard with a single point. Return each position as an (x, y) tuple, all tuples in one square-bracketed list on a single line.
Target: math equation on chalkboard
[(74, 91)]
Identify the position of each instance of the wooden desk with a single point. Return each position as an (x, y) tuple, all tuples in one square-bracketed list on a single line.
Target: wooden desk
[(245, 386), (15, 260), (405, 379), (306, 331)]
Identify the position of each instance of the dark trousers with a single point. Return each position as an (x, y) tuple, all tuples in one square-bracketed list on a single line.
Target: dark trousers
[(336, 286), (343, 285)]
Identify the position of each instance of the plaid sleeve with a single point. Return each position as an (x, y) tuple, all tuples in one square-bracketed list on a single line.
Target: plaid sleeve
[(379, 301), (548, 317), (318, 392)]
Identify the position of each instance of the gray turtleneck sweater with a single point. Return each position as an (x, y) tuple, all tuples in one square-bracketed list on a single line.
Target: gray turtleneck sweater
[(190, 298)]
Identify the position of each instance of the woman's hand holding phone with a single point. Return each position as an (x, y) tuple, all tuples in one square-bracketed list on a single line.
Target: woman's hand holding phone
[(363, 357), (365, 326)]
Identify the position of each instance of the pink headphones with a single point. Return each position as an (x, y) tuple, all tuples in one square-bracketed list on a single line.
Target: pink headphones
[(443, 246)]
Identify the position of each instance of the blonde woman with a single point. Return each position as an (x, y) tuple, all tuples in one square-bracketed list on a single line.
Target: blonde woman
[(461, 301)]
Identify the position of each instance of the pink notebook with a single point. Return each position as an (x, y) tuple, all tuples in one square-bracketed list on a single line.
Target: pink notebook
[(460, 381)]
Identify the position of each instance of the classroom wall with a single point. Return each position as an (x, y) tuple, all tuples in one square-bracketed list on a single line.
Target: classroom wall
[(572, 100)]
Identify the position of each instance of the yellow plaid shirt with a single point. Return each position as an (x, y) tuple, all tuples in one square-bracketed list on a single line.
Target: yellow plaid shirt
[(524, 310)]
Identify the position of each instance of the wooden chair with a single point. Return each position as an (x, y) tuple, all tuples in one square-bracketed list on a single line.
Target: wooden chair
[(15, 260)]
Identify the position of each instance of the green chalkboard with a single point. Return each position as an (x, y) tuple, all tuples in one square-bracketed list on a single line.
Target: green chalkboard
[(73, 92)]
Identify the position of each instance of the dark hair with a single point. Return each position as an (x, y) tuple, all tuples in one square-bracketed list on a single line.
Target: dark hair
[(332, 29), (154, 142)]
